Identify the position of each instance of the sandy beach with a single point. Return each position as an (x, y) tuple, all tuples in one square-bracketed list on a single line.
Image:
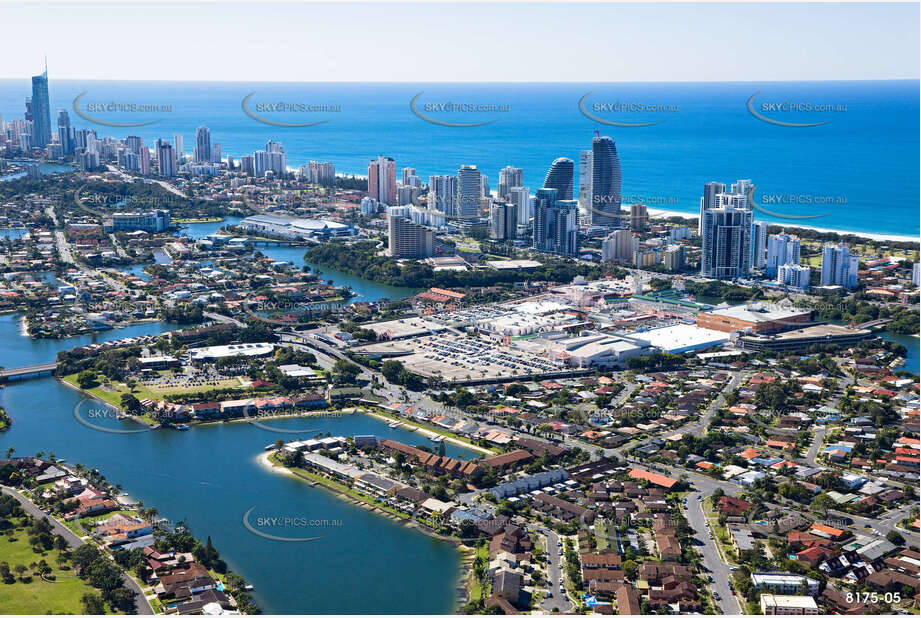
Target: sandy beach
[(653, 213)]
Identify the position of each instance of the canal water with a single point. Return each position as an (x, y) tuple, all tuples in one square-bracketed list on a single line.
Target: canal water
[(367, 291), (210, 476), (912, 344)]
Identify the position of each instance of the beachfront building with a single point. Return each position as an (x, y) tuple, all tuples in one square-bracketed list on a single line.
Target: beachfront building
[(839, 267)]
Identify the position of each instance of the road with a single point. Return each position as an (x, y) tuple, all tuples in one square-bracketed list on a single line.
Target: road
[(142, 606), (712, 560), (217, 317), (559, 600), (698, 427), (162, 183)]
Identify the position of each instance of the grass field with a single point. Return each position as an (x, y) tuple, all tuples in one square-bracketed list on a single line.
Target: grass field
[(77, 524), (38, 596), (112, 392)]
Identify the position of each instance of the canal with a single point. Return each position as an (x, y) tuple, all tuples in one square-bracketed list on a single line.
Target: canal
[(210, 476), (365, 290)]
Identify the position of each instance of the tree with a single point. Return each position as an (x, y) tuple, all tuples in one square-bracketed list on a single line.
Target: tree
[(822, 502), (87, 379), (130, 403), (895, 538), (391, 370), (345, 372), (630, 569), (92, 604)]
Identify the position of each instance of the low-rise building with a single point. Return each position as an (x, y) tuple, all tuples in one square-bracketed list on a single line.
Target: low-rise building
[(787, 605)]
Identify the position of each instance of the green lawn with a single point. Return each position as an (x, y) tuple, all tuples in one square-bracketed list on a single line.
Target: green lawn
[(339, 487), (38, 596), (77, 524), (432, 428), (113, 392)]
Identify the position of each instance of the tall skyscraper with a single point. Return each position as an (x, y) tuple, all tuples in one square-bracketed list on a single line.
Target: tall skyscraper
[(709, 200), (382, 180), (759, 244), (443, 194), (41, 111), (585, 181), (408, 172), (638, 217), (144, 160), (556, 224), (503, 221), (606, 182), (177, 145), (618, 246), (521, 197), (726, 243), (166, 159), (248, 165), (509, 178), (407, 239), (781, 249), (559, 177), (202, 152), (65, 132), (674, 258), (839, 267), (469, 189)]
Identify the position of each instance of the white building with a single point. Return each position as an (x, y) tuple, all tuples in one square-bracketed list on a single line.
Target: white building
[(794, 275), (839, 267), (759, 243), (787, 605), (618, 246), (596, 350), (781, 249), (785, 583)]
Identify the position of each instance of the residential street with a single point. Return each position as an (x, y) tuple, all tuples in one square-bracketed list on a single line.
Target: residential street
[(710, 556), (559, 600), (141, 604)]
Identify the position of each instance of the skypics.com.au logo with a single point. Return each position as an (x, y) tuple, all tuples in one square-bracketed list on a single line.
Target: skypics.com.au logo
[(793, 108), (257, 111), (114, 108), (278, 527), (604, 111), (429, 110)]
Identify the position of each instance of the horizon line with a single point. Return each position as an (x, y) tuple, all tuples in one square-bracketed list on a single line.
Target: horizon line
[(662, 81)]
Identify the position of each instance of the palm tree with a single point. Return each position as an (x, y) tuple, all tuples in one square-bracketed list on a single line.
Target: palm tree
[(9, 452)]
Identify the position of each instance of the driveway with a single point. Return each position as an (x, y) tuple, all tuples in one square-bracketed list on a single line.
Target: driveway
[(142, 607)]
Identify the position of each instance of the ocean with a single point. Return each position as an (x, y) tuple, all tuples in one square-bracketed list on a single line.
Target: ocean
[(856, 171)]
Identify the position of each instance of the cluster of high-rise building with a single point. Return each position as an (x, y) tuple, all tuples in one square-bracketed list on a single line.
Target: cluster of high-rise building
[(553, 213), (732, 244)]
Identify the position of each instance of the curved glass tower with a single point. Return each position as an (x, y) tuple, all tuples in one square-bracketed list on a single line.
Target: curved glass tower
[(559, 177), (606, 182)]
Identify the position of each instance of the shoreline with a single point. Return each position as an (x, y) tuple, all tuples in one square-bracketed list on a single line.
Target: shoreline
[(431, 434), (465, 552), (655, 213)]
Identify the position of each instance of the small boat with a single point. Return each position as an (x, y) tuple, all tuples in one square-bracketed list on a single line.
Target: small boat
[(437, 438), (182, 427), (394, 424)]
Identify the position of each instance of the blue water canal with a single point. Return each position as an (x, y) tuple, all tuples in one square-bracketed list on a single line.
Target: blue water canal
[(210, 476)]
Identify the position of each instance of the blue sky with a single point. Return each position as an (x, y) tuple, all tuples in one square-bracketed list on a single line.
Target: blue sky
[(462, 42)]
